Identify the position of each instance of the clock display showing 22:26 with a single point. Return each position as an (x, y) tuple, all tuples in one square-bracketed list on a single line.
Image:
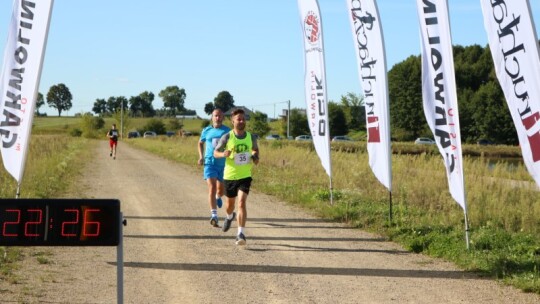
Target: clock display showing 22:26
[(59, 222)]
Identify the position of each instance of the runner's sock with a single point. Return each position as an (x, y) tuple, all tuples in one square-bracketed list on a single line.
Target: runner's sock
[(214, 212), (229, 216), (240, 230)]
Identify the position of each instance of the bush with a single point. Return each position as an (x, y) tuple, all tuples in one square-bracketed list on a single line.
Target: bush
[(155, 125), (90, 125), (76, 132)]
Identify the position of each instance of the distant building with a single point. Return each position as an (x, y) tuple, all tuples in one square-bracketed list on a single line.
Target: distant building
[(285, 112), (187, 117), (247, 112)]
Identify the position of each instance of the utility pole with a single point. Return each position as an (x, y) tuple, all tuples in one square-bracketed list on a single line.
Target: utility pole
[(122, 119), (288, 117)]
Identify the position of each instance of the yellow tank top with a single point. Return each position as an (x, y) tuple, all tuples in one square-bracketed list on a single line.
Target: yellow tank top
[(238, 164)]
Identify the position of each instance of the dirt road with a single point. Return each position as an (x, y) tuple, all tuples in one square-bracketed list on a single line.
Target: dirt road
[(173, 255)]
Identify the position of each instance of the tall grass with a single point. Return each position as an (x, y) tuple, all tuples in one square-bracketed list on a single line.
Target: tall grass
[(52, 164), (503, 202)]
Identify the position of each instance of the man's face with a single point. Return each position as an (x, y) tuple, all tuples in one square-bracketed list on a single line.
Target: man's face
[(217, 118), (239, 122)]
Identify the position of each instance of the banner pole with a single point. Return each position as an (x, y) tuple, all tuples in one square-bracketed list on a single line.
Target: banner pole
[(467, 231), (390, 211), (18, 194), (331, 192)]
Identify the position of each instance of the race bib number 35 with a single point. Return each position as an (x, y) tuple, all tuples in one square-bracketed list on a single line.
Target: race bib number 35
[(242, 158)]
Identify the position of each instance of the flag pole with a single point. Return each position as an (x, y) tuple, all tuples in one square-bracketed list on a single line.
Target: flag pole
[(467, 231), (390, 207), (18, 194), (331, 192)]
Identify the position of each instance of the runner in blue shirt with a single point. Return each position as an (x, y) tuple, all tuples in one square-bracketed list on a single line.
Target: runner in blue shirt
[(213, 168)]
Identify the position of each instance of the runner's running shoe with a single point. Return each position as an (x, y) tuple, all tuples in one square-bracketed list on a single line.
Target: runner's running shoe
[(214, 221), (219, 202), (241, 239), (228, 222)]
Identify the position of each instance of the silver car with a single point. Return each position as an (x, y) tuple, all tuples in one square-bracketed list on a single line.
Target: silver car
[(303, 138), (424, 141), (149, 134)]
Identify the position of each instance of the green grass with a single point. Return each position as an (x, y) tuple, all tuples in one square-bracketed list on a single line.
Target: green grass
[(54, 161)]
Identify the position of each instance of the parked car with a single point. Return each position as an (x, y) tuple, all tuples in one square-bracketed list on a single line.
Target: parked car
[(134, 134), (424, 141), (303, 138), (148, 134), (170, 133), (341, 138), (484, 142), (186, 133), (273, 137)]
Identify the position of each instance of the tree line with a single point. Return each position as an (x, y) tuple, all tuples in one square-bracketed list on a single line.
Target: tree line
[(482, 107), (483, 112)]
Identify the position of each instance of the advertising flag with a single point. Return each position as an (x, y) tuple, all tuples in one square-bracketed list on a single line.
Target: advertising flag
[(439, 91), (19, 81), (315, 80), (370, 54), (514, 48)]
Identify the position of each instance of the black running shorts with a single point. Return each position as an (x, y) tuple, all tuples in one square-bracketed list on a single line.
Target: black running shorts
[(232, 186)]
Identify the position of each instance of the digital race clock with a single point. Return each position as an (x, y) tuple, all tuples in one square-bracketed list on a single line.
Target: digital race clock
[(59, 222)]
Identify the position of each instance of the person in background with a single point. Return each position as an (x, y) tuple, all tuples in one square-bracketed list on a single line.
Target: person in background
[(240, 150), (113, 140), (213, 168)]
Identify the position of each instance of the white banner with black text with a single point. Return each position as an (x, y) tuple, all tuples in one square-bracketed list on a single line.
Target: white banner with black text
[(315, 80), (19, 81), (371, 57), (439, 91), (514, 47)]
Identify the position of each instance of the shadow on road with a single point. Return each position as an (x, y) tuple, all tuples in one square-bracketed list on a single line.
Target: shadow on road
[(199, 218), (458, 275), (265, 238)]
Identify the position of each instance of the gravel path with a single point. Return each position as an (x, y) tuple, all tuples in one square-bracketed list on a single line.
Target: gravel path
[(173, 255)]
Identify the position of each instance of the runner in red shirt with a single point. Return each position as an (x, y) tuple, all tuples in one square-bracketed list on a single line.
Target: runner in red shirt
[(113, 140)]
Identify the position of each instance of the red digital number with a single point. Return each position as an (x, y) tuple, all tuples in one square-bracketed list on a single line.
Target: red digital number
[(4, 227), (40, 216), (74, 222), (87, 225)]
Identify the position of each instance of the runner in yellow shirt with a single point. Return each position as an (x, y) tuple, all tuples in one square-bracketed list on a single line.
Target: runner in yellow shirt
[(240, 150)]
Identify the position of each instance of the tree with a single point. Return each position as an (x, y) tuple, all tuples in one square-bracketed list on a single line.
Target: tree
[(224, 101), (100, 107), (354, 111), (298, 123), (406, 108), (39, 102), (336, 116), (173, 98), (259, 124), (492, 116), (116, 103), (59, 97), (142, 104), (209, 108)]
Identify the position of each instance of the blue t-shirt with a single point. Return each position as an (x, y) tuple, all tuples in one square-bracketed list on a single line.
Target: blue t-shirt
[(210, 136)]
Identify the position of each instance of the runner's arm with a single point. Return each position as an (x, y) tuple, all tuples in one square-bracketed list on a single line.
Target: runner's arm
[(254, 150), (219, 151)]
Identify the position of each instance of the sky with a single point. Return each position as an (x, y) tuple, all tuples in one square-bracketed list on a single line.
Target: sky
[(252, 49)]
